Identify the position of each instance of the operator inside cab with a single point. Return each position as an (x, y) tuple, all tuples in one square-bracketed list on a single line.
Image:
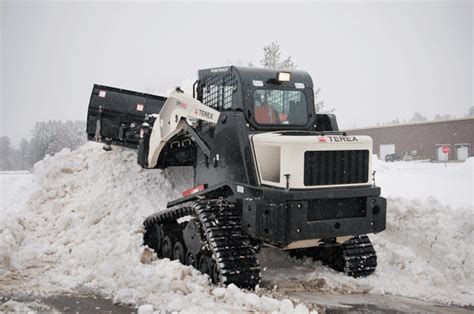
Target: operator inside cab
[(274, 107), (264, 113)]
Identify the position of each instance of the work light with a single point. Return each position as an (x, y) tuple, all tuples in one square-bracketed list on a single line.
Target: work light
[(284, 76)]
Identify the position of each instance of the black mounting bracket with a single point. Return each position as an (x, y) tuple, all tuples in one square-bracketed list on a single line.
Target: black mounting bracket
[(201, 143)]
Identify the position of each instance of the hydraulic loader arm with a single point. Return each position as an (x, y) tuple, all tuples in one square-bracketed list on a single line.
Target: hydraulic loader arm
[(172, 119)]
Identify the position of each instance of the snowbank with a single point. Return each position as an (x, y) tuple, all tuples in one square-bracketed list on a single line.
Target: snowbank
[(426, 253), (81, 230)]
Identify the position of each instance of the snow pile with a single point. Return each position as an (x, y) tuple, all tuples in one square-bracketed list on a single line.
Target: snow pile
[(81, 230), (451, 184), (426, 252)]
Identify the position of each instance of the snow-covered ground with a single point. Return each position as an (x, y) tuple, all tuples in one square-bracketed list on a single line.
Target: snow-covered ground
[(14, 187), (77, 227), (451, 184)]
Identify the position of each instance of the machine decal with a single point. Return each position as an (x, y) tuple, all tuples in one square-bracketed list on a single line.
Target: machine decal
[(219, 70), (205, 114), (182, 104), (343, 139), (140, 107), (102, 93)]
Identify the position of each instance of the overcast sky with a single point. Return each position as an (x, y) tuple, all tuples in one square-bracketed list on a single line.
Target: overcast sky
[(374, 61)]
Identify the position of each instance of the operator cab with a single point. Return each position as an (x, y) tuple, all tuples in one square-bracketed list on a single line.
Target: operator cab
[(271, 100), (274, 107)]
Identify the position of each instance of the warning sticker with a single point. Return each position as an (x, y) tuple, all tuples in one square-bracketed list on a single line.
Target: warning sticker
[(140, 107), (182, 104), (102, 93)]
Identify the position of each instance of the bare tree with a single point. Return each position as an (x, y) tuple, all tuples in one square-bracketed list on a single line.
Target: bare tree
[(418, 117), (319, 105), (471, 112), (443, 116), (6, 154), (272, 58), (392, 122)]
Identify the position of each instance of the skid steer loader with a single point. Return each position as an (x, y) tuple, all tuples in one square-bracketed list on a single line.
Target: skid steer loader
[(268, 171)]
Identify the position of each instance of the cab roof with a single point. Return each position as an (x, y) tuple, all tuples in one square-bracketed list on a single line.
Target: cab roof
[(247, 75)]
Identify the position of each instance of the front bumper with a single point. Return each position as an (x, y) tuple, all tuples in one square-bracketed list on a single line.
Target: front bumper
[(299, 218)]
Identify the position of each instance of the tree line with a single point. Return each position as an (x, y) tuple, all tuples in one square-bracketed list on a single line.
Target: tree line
[(418, 117), (47, 138)]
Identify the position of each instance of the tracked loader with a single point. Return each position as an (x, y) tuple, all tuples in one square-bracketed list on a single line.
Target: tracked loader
[(268, 171)]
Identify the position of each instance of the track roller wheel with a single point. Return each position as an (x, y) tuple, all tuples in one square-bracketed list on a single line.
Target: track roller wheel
[(153, 237), (167, 247), (192, 259), (205, 264), (179, 252), (334, 258), (215, 275), (214, 230)]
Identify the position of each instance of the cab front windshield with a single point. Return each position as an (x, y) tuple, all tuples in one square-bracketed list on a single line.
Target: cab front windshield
[(274, 107)]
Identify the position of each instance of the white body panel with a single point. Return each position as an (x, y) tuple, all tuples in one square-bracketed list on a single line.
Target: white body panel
[(169, 121), (277, 154)]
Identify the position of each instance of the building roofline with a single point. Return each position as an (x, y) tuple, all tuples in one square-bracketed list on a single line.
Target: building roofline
[(411, 123)]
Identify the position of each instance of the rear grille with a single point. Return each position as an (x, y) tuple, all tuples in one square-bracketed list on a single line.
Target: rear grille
[(327, 209), (336, 167)]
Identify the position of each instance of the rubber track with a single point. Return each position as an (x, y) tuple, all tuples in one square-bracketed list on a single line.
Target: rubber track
[(229, 246), (359, 257)]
